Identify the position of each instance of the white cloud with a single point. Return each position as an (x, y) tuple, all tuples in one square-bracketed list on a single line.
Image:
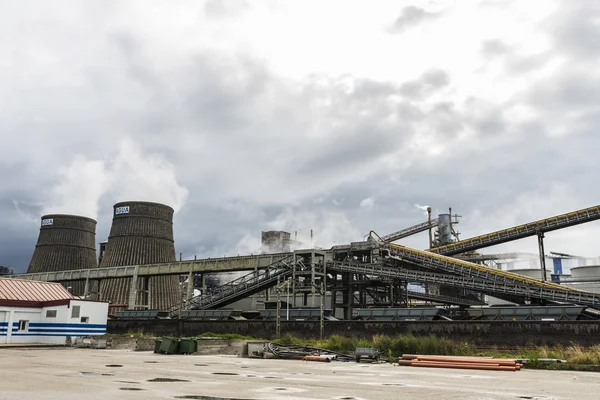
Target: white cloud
[(367, 204)]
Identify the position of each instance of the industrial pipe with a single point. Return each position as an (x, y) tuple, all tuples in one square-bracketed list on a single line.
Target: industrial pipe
[(317, 358)]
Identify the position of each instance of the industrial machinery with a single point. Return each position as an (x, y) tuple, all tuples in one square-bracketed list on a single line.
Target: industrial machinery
[(365, 275)]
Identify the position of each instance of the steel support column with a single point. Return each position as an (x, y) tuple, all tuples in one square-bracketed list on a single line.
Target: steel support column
[(542, 255)]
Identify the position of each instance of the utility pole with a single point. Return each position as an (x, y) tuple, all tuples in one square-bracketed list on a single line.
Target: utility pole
[(322, 319)]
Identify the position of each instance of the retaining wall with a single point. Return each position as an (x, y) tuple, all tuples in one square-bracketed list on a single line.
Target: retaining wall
[(501, 333)]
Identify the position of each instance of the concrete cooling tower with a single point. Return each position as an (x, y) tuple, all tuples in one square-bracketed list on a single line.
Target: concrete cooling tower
[(65, 242), (141, 233)]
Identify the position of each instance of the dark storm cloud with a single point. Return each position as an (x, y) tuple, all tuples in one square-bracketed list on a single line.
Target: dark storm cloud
[(412, 16)]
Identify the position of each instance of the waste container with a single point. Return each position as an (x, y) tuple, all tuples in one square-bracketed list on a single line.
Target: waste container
[(157, 344), (188, 346), (169, 346)]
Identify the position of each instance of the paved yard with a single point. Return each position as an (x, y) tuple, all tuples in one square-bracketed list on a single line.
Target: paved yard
[(79, 374)]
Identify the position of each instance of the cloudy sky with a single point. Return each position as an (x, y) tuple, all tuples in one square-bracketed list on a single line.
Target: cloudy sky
[(336, 116)]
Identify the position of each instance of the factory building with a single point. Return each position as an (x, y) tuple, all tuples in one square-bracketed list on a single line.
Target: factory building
[(45, 312)]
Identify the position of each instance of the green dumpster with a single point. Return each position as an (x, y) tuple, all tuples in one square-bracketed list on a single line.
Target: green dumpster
[(169, 346), (188, 346), (157, 345)]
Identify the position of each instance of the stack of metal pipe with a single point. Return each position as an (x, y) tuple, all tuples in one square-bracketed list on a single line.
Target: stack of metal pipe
[(481, 363)]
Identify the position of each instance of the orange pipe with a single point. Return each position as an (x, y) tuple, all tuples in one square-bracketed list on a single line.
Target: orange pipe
[(469, 360), (413, 356), (463, 366)]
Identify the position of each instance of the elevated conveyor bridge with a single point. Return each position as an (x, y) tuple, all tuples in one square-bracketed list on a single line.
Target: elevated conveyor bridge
[(520, 232), (412, 230), (392, 268)]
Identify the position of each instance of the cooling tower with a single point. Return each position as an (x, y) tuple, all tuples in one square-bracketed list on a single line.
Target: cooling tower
[(65, 242), (141, 233)]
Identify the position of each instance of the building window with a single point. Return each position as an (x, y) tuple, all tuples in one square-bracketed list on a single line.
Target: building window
[(50, 313), (85, 320), (23, 325), (75, 312)]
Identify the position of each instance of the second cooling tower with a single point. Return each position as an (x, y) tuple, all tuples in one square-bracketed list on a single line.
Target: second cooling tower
[(141, 233)]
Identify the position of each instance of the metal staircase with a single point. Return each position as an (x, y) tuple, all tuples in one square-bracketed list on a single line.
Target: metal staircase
[(239, 288), (391, 269), (521, 231)]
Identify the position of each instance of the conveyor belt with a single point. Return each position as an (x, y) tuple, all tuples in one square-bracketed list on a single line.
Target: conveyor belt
[(439, 298), (411, 230), (521, 231), (481, 285), (456, 266)]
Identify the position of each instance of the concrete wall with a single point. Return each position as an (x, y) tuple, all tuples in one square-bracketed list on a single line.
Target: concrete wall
[(502, 333)]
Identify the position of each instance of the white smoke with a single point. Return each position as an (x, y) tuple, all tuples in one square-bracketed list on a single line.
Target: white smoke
[(80, 186), (420, 207), (329, 227), (130, 175)]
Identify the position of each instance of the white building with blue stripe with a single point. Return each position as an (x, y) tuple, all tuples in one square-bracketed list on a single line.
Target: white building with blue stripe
[(45, 312)]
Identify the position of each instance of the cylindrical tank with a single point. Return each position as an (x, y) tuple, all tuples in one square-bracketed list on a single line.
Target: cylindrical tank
[(444, 231), (588, 271), (66, 242), (141, 233)]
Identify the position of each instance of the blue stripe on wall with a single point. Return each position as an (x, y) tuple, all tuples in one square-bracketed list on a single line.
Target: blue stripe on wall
[(60, 325), (66, 330), (58, 334)]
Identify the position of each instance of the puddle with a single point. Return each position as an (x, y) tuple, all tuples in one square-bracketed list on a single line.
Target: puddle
[(167, 380), (131, 388), (88, 373), (224, 373), (113, 365)]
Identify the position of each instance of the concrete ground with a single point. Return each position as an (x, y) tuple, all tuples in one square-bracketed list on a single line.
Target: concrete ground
[(80, 374)]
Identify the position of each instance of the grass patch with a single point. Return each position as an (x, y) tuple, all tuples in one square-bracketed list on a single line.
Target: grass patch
[(577, 357)]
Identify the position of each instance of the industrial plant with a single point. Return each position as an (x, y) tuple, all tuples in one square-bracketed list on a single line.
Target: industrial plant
[(137, 272)]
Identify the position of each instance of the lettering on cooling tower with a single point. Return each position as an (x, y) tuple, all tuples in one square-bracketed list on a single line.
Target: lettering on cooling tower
[(47, 222), (122, 210)]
